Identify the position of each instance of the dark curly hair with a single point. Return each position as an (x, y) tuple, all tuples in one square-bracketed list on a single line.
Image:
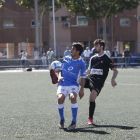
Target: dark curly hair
[(79, 47), (101, 42)]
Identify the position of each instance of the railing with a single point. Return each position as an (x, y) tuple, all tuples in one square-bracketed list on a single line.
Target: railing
[(126, 62), (30, 63)]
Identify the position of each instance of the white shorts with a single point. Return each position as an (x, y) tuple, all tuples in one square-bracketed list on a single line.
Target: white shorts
[(66, 90)]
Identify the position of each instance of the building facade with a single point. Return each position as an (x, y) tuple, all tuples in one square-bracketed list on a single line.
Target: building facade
[(17, 28), (122, 30)]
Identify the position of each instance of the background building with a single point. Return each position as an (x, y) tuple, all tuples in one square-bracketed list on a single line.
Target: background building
[(17, 28), (63, 30)]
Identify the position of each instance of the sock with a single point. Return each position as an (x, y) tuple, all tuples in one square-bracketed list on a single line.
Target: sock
[(91, 109), (61, 111), (74, 109)]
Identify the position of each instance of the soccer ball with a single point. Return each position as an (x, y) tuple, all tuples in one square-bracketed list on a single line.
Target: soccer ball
[(56, 65)]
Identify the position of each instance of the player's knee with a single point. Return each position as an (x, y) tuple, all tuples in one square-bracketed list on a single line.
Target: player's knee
[(93, 96), (60, 98), (73, 97), (60, 101), (92, 99)]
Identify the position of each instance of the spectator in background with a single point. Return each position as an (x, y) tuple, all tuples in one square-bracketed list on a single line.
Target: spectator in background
[(36, 58), (1, 54), (93, 51), (23, 58), (126, 54), (82, 55), (50, 55), (67, 52), (114, 54), (107, 52), (44, 59), (86, 54)]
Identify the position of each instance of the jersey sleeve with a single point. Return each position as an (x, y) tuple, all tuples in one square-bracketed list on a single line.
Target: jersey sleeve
[(110, 63), (66, 59), (83, 70), (64, 53), (62, 64), (89, 67)]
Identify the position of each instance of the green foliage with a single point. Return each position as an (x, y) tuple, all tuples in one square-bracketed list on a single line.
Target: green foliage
[(99, 8), (30, 4), (1, 3)]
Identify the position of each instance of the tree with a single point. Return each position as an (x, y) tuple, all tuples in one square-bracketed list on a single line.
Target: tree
[(99, 9), (45, 6), (1, 1)]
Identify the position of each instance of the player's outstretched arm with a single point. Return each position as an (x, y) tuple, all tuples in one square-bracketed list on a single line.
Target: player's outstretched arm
[(60, 76), (81, 91), (115, 73)]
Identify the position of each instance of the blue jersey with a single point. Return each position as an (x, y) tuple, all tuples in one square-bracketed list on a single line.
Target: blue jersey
[(72, 70)]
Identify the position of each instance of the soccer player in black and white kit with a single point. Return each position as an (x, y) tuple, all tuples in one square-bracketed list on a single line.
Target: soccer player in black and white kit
[(97, 73)]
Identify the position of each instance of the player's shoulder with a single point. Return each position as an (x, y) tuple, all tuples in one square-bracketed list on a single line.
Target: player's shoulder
[(107, 59), (106, 56), (81, 62), (67, 58), (94, 56), (80, 59)]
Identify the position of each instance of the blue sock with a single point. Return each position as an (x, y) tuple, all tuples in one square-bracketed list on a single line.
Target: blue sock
[(74, 109), (61, 110)]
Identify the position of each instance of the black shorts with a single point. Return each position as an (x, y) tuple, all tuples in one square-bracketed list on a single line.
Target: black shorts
[(93, 83)]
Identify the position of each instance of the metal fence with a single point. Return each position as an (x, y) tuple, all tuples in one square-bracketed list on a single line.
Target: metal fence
[(126, 62), (28, 63), (119, 62)]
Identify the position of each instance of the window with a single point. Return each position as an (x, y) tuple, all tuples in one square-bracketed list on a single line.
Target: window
[(82, 21), (101, 31), (8, 23), (33, 23), (124, 22), (56, 19), (138, 18), (65, 19)]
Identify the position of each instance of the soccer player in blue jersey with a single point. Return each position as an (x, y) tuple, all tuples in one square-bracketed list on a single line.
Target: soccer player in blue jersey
[(73, 68)]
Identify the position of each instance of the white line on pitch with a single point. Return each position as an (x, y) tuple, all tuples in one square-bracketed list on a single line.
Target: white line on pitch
[(124, 84)]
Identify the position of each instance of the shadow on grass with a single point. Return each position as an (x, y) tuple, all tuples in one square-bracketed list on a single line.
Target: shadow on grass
[(86, 129), (114, 126)]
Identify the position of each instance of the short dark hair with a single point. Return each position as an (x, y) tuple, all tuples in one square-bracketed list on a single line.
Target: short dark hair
[(79, 47), (101, 42)]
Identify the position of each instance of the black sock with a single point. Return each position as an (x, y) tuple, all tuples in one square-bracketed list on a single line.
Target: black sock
[(91, 109)]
